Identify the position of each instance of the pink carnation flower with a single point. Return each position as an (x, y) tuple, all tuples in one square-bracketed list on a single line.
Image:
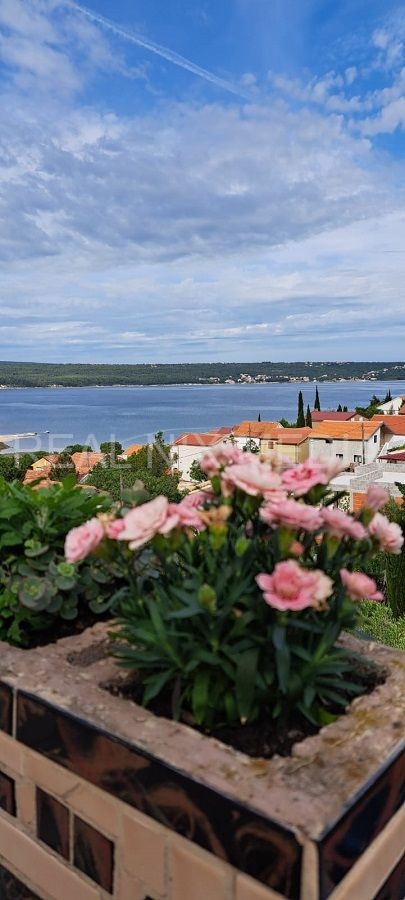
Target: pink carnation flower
[(83, 540), (387, 534), (339, 524), (185, 515), (222, 455), (292, 515), (291, 587), (250, 476), (359, 586), (376, 497), (142, 523), (114, 528), (301, 478)]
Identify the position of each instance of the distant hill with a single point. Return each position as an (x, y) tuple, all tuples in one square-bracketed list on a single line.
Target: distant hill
[(19, 374)]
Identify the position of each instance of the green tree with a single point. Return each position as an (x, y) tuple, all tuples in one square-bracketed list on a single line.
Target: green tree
[(300, 412), (196, 472), (77, 448), (259, 418), (251, 446), (112, 448), (63, 467), (317, 403), (13, 466), (339, 408), (308, 418)]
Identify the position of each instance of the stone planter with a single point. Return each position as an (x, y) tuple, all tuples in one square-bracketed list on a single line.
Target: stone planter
[(100, 798)]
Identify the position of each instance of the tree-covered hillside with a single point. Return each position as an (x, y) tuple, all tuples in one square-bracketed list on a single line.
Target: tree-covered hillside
[(26, 374)]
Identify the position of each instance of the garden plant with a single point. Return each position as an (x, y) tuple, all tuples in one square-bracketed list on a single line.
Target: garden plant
[(235, 597)]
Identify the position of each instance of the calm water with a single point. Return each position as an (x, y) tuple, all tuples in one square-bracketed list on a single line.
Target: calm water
[(134, 414)]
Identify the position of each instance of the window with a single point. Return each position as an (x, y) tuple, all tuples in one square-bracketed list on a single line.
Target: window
[(357, 459), (339, 456), (375, 438)]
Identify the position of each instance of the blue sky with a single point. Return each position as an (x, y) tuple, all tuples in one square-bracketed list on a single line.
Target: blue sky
[(186, 180)]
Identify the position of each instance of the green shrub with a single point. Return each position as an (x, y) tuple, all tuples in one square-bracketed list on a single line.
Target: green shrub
[(377, 621), (37, 585)]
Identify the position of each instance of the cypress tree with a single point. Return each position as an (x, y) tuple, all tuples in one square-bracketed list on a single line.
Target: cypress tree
[(308, 418), (339, 409), (259, 418), (317, 404), (300, 413)]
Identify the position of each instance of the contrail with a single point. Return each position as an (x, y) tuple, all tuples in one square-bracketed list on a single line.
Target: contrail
[(164, 52)]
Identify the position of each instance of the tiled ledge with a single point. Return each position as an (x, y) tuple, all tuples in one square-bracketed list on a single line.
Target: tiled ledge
[(131, 806)]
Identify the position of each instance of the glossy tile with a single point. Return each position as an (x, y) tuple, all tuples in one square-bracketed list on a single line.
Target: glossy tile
[(6, 707), (7, 794), (93, 854), (13, 889), (52, 823), (361, 824), (258, 846)]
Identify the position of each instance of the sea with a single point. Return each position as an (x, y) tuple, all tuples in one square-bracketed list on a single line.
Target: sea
[(55, 417)]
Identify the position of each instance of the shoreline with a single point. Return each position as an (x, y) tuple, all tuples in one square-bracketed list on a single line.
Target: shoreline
[(297, 381)]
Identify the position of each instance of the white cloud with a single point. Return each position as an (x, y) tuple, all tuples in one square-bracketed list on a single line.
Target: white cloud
[(172, 229)]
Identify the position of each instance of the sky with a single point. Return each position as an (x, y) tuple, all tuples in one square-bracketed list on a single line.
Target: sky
[(202, 180)]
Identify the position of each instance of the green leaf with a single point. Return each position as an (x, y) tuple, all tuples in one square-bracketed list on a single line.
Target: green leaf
[(283, 667), (155, 684), (278, 636), (246, 682), (199, 695)]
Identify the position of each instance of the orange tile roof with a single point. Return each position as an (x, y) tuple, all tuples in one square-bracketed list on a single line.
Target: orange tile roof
[(348, 431), (195, 439), (255, 429), (134, 448), (84, 462), (291, 435), (42, 479), (393, 424)]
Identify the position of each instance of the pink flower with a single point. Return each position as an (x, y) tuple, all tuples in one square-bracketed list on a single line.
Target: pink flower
[(142, 523), (292, 587), (185, 515), (300, 479), (292, 515), (359, 586), (222, 455), (250, 476), (387, 534), (114, 527), (376, 497), (338, 524), (197, 499), (83, 540)]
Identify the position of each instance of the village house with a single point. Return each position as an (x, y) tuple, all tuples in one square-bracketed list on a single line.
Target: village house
[(248, 435), (289, 443), (392, 431), (192, 446), (393, 407), (266, 437), (353, 443)]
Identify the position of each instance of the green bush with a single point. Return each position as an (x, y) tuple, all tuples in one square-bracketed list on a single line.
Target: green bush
[(377, 621), (37, 585)]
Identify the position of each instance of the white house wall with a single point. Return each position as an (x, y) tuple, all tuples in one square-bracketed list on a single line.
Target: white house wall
[(347, 451)]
